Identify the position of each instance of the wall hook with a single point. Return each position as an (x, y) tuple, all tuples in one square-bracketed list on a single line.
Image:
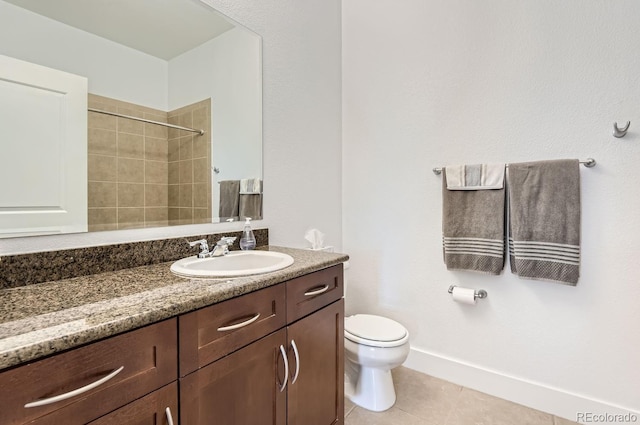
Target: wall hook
[(620, 132)]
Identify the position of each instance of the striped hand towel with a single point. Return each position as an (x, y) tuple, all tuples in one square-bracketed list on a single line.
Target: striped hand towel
[(473, 227), (250, 186), (544, 214)]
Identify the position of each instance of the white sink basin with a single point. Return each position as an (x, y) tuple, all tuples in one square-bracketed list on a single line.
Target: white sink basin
[(234, 264)]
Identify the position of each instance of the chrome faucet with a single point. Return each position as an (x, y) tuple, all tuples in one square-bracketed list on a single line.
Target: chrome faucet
[(204, 248), (222, 247)]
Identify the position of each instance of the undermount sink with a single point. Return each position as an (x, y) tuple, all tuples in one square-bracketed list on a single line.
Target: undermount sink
[(233, 264)]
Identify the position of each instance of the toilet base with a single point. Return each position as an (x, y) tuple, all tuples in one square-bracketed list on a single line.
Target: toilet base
[(374, 390)]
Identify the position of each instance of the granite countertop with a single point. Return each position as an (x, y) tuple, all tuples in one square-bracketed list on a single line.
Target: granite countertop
[(42, 319)]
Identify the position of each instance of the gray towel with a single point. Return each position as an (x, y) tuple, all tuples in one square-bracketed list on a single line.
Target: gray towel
[(251, 206), (473, 229), (544, 213), (229, 199)]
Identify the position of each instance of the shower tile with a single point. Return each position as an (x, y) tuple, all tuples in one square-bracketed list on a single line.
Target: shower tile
[(130, 218), (101, 219), (201, 118), (127, 125), (186, 171), (102, 194), (201, 170), (130, 170), (154, 217), (200, 146), (156, 130), (201, 216), (186, 215), (174, 216), (173, 150), (156, 172), (101, 141), (200, 195), (156, 149), (174, 172), (130, 195), (174, 195), (130, 146), (186, 195), (156, 195), (102, 121), (102, 168), (186, 147)]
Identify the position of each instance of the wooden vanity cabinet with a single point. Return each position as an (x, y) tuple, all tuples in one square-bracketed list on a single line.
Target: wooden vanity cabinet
[(130, 366), (255, 385), (270, 357)]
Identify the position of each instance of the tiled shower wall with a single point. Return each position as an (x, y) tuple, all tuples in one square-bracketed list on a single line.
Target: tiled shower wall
[(190, 165), (128, 167)]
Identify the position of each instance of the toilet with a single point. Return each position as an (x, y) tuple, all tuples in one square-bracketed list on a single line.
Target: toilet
[(373, 346)]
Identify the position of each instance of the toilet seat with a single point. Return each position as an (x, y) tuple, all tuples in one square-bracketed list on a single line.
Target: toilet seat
[(374, 331)]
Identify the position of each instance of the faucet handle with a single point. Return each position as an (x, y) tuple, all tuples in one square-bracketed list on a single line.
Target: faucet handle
[(204, 245), (226, 240)]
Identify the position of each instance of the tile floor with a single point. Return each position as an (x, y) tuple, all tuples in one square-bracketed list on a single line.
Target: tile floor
[(424, 400)]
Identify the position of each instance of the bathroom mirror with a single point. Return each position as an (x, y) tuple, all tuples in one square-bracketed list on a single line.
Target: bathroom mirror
[(178, 62)]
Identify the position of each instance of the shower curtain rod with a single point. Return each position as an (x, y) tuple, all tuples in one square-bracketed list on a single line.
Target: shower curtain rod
[(589, 162), (177, 127)]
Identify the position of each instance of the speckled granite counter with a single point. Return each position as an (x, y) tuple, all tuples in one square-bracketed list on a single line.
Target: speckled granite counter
[(46, 318)]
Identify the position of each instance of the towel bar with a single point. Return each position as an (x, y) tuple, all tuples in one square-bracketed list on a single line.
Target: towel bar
[(589, 162), (481, 293)]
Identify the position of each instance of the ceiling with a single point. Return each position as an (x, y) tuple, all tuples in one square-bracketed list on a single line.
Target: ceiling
[(161, 28)]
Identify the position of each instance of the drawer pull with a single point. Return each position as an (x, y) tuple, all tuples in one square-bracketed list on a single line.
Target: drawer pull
[(314, 291), (295, 352), (239, 325), (167, 412), (286, 368), (76, 392)]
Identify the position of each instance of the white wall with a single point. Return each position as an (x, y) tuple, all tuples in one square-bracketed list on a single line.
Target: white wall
[(113, 70), (431, 83), (302, 129), (228, 69)]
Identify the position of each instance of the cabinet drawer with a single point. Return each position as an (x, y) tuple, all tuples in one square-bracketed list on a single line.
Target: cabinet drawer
[(128, 366), (311, 292), (213, 332), (150, 409)]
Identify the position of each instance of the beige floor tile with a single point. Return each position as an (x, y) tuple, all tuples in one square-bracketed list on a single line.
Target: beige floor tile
[(561, 421), (348, 406), (393, 416), (424, 396), (476, 408)]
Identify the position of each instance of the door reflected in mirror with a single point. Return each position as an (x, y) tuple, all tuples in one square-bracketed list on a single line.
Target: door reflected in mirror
[(175, 62)]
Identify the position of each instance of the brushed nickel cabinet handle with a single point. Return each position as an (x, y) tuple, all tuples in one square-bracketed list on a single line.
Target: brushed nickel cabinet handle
[(286, 368), (314, 291), (239, 325), (295, 352), (167, 412), (75, 392)]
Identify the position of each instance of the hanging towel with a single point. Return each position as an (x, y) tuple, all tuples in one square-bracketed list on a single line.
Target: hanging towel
[(544, 214), (229, 199), (251, 206), (475, 177), (250, 186), (473, 227)]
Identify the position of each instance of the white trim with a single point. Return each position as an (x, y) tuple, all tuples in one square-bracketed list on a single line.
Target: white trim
[(556, 401)]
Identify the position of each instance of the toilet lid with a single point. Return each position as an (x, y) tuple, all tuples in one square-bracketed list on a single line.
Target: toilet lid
[(374, 328)]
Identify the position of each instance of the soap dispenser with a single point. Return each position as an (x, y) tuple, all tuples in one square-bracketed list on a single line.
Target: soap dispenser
[(248, 239)]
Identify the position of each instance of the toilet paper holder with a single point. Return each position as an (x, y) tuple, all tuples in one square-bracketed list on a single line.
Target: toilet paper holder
[(481, 293)]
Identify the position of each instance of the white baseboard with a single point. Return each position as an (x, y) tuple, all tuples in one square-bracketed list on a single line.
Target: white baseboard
[(532, 394)]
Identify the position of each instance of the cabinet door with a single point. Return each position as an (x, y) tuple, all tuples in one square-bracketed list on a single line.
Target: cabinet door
[(153, 409), (316, 393), (242, 388)]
